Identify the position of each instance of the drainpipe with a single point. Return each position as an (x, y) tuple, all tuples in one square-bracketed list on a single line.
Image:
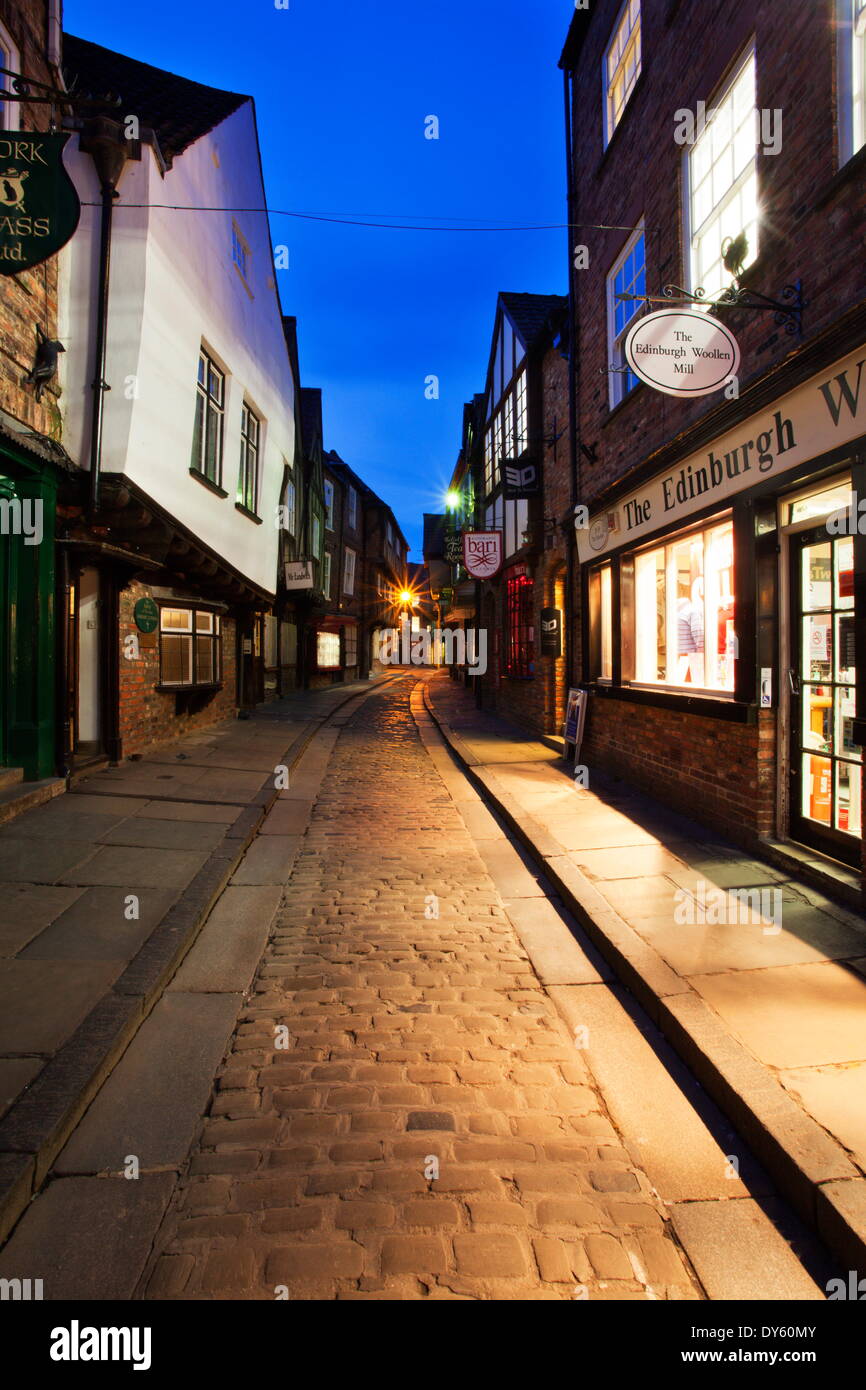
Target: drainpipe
[(63, 752), (104, 140), (571, 639)]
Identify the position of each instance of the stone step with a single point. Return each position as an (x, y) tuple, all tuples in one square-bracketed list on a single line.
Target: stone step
[(23, 796), (9, 776)]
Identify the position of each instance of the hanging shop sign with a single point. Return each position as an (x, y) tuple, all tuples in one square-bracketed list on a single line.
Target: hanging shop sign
[(146, 615), (298, 574), (682, 352), (520, 481), (39, 207), (482, 553), (827, 412), (551, 632)]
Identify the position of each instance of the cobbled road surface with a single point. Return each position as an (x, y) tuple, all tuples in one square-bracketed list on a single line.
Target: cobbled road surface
[(402, 1114)]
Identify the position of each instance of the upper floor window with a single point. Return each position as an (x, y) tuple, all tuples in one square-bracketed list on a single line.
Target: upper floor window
[(8, 59), (349, 572), (326, 574), (851, 84), (290, 505), (207, 440), (248, 477), (316, 535), (241, 253), (622, 62), (628, 276), (508, 434), (352, 509), (722, 180), (329, 505)]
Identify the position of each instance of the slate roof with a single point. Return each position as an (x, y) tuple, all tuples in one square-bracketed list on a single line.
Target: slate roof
[(178, 110), (530, 312)]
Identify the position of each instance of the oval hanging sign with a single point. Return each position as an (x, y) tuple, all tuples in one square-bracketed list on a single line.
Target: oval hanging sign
[(39, 207), (682, 352)]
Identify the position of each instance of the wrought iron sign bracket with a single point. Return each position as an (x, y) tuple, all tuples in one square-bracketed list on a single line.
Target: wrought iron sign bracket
[(43, 94), (788, 309)]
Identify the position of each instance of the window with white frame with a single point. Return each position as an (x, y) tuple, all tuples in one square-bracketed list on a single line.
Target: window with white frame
[(722, 180), (207, 439), (316, 535), (352, 509), (348, 571), (628, 276), (622, 63), (329, 506), (189, 647), (248, 475), (8, 59), (326, 574), (851, 76), (290, 505)]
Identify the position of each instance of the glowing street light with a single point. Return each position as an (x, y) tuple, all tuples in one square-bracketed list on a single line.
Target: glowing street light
[(452, 501)]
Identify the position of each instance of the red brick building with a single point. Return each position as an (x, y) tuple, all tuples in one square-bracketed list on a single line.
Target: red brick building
[(721, 624)]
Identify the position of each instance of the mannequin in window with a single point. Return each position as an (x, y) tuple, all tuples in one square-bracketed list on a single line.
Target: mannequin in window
[(690, 635)]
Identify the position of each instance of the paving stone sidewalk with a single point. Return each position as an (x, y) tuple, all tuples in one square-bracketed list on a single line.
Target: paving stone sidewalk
[(87, 878), (402, 1112), (786, 981)]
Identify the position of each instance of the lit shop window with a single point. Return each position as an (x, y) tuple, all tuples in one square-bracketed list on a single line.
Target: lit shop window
[(627, 277), (207, 440), (328, 650), (622, 62), (681, 622), (722, 181), (519, 631), (601, 623), (189, 647)]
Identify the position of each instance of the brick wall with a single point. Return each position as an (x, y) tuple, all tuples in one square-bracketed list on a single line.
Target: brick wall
[(720, 773), (30, 298), (149, 716), (688, 50)]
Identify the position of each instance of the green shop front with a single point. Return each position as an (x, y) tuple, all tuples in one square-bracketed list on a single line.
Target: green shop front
[(28, 492)]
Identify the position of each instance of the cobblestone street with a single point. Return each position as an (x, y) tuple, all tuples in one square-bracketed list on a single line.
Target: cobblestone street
[(402, 1113)]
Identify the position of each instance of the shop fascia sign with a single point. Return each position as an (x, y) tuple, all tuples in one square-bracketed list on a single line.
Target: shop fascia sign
[(39, 207), (682, 352), (825, 413)]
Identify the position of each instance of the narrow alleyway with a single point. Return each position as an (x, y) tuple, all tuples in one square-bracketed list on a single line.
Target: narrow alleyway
[(427, 1127)]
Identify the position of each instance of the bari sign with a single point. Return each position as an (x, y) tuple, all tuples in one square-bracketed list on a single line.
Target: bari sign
[(682, 352), (39, 207)]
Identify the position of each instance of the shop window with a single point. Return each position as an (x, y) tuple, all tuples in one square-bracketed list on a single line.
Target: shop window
[(680, 621), (601, 623), (622, 65), (248, 476), (328, 651), (722, 180), (351, 646), (519, 629), (207, 441), (628, 276), (189, 647)]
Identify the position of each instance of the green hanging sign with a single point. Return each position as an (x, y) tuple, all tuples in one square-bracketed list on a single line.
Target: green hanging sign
[(39, 207)]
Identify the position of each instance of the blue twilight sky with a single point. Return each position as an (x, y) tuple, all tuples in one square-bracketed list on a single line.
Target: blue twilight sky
[(342, 90)]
